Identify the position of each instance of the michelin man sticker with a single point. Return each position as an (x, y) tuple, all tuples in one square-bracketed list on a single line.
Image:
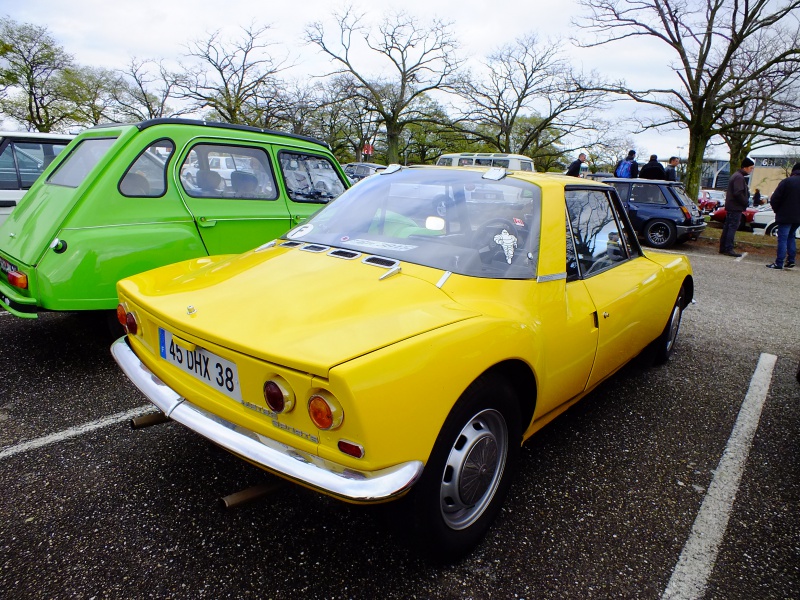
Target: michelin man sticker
[(301, 231), (507, 242)]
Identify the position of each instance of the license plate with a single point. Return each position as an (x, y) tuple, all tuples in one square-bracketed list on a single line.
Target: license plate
[(213, 370)]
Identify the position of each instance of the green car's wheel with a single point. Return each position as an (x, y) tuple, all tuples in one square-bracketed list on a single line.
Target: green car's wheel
[(469, 471)]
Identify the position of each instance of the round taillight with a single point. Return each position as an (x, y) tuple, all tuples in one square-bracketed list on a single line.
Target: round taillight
[(278, 396), (122, 315), (131, 324), (324, 411)]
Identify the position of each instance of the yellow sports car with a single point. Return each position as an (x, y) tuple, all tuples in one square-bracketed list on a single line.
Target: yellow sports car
[(408, 338)]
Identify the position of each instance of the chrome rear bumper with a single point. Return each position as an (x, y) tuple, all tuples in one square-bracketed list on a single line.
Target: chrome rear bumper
[(306, 469)]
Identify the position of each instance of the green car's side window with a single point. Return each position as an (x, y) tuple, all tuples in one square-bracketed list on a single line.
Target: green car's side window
[(147, 176), (309, 178), (222, 171)]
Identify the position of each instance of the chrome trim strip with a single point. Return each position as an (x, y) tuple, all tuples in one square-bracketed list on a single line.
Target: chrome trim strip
[(553, 277), (306, 469), (443, 279)]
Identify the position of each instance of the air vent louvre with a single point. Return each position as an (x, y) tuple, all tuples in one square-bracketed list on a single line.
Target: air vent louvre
[(347, 254), (291, 244), (315, 248), (379, 261)]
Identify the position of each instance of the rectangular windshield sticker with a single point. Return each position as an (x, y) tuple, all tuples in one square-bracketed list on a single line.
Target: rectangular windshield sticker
[(382, 245)]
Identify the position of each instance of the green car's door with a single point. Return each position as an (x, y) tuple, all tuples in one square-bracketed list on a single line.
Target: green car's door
[(237, 195)]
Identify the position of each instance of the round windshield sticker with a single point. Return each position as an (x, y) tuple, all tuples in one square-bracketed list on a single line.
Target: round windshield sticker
[(301, 231), (345, 238)]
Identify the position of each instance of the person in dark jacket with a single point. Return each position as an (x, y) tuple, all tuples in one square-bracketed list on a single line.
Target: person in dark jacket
[(574, 170), (737, 198), (672, 165), (785, 202), (757, 198), (634, 166), (653, 169)]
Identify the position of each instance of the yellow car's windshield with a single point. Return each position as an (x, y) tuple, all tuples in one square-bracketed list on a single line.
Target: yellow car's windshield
[(450, 219)]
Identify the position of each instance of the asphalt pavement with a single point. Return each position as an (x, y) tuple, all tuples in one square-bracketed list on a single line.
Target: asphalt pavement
[(607, 503)]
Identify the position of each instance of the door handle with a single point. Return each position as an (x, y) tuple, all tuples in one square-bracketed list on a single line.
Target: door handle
[(203, 222)]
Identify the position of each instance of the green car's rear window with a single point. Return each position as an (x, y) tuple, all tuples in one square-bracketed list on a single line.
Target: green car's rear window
[(81, 161)]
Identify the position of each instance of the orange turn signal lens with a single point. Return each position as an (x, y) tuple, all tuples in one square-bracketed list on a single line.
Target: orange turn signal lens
[(121, 312), (325, 411), (17, 279)]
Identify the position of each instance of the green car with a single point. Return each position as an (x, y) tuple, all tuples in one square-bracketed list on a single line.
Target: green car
[(122, 199)]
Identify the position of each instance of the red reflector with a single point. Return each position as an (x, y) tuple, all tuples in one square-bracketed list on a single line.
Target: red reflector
[(131, 324), (351, 448), (18, 279)]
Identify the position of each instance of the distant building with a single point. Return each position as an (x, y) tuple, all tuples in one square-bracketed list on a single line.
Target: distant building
[(769, 170)]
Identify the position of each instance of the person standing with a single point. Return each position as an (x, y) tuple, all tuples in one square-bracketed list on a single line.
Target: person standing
[(574, 170), (785, 202), (653, 169), (672, 165), (627, 167), (757, 197), (737, 198)]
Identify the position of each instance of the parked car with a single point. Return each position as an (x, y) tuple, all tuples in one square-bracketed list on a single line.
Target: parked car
[(710, 200), (747, 217), (660, 211), (357, 171), (515, 162), (479, 319), (23, 157), (127, 198), (764, 222)]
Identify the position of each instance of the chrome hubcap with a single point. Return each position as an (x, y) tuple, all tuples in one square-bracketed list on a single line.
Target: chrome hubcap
[(473, 469)]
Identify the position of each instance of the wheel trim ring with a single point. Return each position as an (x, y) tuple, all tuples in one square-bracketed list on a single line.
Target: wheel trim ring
[(674, 326), (484, 435)]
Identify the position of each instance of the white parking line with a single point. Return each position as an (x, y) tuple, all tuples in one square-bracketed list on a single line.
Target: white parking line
[(690, 576), (73, 431)]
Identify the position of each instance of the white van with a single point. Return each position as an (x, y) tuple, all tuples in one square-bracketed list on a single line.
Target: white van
[(23, 157), (514, 162)]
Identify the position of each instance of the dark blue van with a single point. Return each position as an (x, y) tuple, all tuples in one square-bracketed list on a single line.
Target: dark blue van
[(660, 211)]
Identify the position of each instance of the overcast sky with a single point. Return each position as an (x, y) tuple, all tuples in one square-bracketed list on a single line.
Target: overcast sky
[(107, 33)]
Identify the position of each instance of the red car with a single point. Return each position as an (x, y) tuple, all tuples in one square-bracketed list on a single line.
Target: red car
[(747, 217), (710, 200)]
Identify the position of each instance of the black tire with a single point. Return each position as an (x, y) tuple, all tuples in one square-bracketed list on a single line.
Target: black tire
[(665, 344), (469, 471), (772, 230), (660, 234)]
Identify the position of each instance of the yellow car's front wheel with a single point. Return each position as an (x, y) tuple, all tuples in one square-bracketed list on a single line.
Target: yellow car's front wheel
[(471, 467)]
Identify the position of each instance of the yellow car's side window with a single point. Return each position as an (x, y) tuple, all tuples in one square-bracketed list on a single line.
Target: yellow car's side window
[(595, 233)]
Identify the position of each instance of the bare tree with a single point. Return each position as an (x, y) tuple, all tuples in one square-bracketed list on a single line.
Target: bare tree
[(527, 78), (768, 111), (145, 91), (419, 58), (233, 77), (32, 65), (704, 36)]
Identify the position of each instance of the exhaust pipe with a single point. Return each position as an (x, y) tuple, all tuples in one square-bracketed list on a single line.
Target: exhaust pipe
[(149, 419), (250, 494)]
